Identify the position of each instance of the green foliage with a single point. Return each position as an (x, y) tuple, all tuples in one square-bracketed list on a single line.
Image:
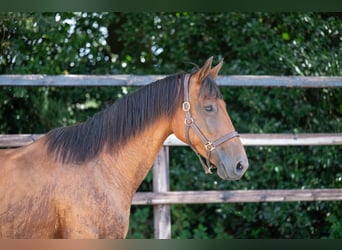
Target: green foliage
[(306, 44)]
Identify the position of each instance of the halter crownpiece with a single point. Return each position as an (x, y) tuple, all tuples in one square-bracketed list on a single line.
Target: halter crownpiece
[(190, 123)]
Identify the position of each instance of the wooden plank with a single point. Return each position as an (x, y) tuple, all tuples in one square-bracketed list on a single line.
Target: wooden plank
[(77, 80), (140, 80), (201, 197), (280, 81), (314, 139), (303, 139), (161, 212), (18, 140)]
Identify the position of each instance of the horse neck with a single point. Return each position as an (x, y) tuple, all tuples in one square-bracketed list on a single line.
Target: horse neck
[(135, 159)]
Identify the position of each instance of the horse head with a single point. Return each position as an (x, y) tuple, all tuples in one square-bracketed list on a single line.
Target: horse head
[(203, 122)]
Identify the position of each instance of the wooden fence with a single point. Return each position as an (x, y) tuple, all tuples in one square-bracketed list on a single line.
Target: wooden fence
[(161, 197)]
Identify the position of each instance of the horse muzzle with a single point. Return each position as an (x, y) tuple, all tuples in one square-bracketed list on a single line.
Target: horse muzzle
[(231, 169)]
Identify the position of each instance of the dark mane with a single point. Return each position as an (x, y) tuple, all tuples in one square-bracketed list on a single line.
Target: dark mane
[(118, 123), (124, 119)]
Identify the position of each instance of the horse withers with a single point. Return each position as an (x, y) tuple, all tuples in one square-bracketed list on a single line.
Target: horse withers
[(79, 181)]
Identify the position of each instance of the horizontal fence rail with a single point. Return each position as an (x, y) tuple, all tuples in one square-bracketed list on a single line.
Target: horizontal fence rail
[(314, 139), (136, 80), (234, 196)]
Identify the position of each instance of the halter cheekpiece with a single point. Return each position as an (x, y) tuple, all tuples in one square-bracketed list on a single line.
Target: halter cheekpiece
[(190, 123)]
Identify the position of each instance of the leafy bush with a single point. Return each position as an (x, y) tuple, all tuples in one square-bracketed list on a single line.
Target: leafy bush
[(306, 44)]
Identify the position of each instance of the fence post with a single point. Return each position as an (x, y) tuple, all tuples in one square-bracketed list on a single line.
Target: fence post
[(162, 216)]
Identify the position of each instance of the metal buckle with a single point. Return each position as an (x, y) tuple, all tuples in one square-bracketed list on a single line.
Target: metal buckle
[(186, 106), (209, 146), (208, 170), (189, 121)]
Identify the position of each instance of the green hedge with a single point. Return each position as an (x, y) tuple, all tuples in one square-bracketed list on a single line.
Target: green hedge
[(307, 44)]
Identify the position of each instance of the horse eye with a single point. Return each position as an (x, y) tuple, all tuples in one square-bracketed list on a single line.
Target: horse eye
[(209, 108)]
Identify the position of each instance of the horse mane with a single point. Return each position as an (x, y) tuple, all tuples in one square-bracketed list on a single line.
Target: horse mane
[(120, 122)]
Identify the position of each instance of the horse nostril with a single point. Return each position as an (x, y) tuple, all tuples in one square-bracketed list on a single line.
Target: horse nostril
[(239, 167)]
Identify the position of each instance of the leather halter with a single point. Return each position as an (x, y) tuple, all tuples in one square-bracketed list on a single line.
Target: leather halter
[(190, 123)]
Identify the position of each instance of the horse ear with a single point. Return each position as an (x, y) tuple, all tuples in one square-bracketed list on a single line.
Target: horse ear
[(203, 72), (214, 71)]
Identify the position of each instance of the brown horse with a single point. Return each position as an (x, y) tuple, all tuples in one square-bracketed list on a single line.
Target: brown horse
[(79, 181)]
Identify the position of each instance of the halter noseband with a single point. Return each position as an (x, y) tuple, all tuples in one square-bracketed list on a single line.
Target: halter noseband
[(190, 123)]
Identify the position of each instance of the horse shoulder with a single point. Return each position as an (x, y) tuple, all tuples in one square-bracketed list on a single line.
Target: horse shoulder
[(90, 203)]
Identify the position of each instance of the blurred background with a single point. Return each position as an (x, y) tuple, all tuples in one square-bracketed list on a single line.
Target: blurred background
[(281, 44)]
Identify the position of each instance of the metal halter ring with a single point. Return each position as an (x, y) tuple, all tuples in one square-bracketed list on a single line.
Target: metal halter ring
[(188, 121), (209, 146), (186, 106)]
